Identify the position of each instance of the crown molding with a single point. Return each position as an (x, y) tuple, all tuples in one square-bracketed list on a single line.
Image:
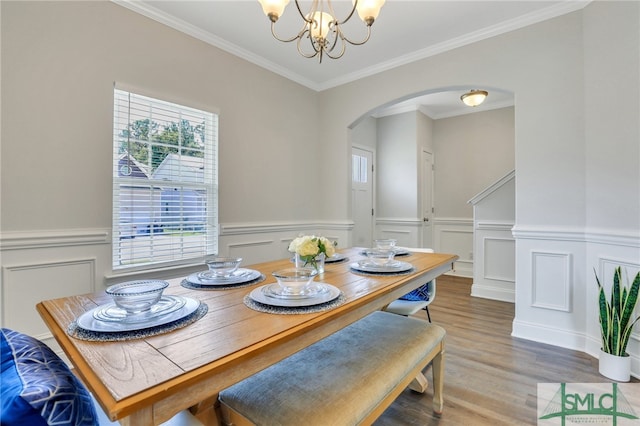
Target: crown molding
[(511, 25), (222, 44), (492, 31)]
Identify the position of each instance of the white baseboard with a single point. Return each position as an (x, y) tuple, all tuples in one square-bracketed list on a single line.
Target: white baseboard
[(549, 335), (493, 293)]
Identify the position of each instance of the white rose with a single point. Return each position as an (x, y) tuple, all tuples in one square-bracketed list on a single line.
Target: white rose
[(328, 246), (308, 248)]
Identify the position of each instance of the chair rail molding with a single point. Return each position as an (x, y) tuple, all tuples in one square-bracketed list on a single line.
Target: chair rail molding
[(404, 221), (228, 229), (20, 240), (614, 237), (455, 221)]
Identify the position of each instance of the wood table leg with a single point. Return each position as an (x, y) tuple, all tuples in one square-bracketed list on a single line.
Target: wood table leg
[(207, 411), (143, 417)]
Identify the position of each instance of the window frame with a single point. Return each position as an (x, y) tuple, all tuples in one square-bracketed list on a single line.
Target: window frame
[(158, 248)]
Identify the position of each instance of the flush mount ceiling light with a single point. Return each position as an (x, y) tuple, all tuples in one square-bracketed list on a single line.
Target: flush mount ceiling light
[(474, 97), (321, 26)]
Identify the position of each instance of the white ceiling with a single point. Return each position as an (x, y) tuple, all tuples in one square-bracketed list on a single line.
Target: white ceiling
[(404, 32)]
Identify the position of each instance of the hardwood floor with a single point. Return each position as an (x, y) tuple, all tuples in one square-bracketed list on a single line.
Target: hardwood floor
[(490, 377)]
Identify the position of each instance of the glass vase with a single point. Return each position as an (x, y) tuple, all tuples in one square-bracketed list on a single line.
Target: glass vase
[(317, 263)]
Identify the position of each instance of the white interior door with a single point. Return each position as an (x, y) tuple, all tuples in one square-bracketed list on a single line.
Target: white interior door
[(362, 196), (427, 199)]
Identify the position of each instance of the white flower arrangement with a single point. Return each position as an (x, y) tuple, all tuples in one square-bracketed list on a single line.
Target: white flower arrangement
[(308, 247)]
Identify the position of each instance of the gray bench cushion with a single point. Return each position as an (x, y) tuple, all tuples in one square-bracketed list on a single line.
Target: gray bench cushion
[(339, 379)]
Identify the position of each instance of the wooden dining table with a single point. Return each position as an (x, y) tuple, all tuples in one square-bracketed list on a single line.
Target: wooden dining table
[(148, 380)]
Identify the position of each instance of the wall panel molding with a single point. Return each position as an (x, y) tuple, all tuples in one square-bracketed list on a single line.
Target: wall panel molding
[(455, 235), (496, 250), (26, 284), (551, 280)]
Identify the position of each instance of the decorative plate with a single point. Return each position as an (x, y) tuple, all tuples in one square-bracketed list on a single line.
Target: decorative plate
[(268, 295), (241, 275), (337, 257), (179, 309), (394, 267)]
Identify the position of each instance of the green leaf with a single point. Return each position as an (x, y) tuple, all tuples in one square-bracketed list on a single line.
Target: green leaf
[(616, 322), (604, 315)]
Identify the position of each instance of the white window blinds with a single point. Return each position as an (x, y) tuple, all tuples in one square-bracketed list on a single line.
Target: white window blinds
[(165, 182)]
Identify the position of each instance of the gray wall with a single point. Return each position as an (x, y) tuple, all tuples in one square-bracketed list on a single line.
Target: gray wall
[(471, 152), (59, 63), (397, 176)]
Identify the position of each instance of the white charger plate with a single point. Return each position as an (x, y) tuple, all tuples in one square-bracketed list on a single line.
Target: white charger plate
[(265, 295), (397, 266), (112, 313), (88, 320), (337, 257), (239, 276)]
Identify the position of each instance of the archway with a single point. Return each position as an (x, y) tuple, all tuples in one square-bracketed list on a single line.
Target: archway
[(471, 149)]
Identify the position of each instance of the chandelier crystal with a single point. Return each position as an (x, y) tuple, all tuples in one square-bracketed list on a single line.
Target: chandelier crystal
[(321, 28)]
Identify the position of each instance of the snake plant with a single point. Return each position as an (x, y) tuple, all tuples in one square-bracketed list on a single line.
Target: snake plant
[(616, 321)]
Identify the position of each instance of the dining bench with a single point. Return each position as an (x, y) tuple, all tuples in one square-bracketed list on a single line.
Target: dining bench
[(348, 378)]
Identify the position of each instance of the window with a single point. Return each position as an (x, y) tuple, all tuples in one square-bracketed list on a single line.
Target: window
[(165, 182), (359, 168)]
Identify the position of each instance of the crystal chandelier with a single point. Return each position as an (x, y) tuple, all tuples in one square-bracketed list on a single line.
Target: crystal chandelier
[(321, 27)]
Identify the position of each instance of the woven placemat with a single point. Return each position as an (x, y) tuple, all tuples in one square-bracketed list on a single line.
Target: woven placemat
[(193, 286), (74, 330), (382, 274), (285, 310)]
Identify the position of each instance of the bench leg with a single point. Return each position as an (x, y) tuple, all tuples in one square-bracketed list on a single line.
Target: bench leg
[(419, 384), (438, 382)]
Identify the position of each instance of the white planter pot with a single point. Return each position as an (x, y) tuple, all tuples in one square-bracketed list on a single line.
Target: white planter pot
[(615, 367)]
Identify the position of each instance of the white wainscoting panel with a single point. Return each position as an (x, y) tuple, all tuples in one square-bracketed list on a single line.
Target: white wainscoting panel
[(455, 235), (551, 281), (495, 263), (23, 286), (253, 251), (257, 243), (407, 231), (499, 259)]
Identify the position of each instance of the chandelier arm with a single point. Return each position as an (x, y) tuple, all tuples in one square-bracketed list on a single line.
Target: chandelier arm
[(337, 34), (359, 43), (304, 54), (344, 48), (287, 40), (355, 5), (313, 7)]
